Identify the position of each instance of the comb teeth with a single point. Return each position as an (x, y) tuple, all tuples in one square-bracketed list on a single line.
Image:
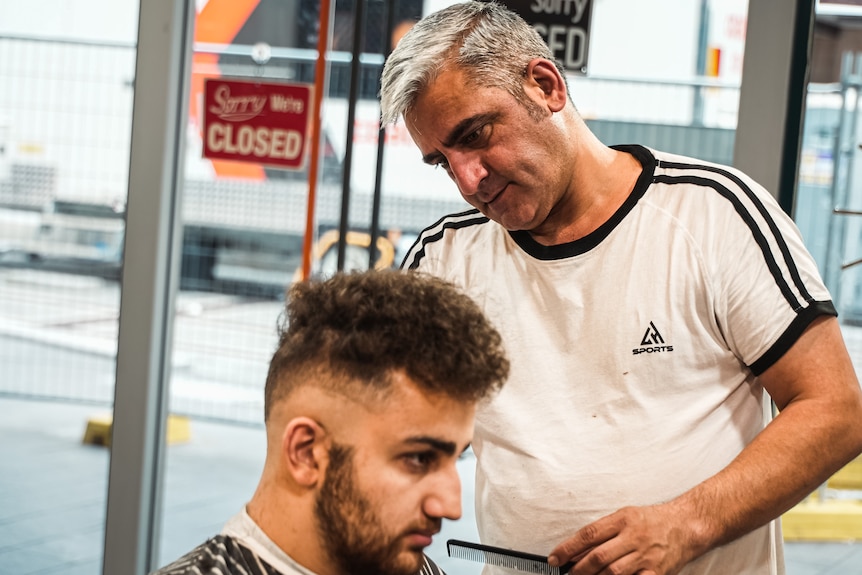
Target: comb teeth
[(527, 562)]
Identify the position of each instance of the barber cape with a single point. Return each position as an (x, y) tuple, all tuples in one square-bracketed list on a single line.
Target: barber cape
[(243, 549)]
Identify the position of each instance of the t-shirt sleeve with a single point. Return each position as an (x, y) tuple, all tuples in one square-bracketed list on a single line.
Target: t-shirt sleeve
[(768, 287)]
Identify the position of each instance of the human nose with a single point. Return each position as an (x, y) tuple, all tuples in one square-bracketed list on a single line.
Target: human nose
[(468, 171), (444, 501)]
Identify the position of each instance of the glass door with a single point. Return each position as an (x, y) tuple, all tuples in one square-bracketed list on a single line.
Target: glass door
[(67, 72)]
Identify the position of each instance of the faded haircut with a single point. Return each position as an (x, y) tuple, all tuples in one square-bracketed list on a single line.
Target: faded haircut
[(354, 330), (490, 42)]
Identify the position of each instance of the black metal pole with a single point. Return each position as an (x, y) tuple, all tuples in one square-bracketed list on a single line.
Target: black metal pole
[(358, 28), (791, 144), (381, 147)]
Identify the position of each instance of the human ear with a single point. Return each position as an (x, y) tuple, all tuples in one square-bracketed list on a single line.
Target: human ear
[(304, 445), (547, 83)]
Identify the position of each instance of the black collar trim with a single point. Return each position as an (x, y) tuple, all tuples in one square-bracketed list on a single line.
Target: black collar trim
[(588, 242)]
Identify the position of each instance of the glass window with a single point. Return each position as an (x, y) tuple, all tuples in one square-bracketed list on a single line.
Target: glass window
[(244, 223), (64, 143), (67, 72), (828, 203)]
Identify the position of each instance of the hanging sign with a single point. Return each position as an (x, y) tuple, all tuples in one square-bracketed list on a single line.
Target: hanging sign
[(563, 24), (250, 121)]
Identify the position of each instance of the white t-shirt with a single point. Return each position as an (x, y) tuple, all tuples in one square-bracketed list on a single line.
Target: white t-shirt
[(634, 351), (242, 548), (243, 528)]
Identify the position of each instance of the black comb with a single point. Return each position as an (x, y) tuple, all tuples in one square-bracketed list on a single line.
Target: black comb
[(519, 560)]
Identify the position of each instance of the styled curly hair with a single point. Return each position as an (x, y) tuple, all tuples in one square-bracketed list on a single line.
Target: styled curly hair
[(352, 331)]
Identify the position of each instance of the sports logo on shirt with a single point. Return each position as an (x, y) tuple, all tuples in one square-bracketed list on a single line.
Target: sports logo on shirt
[(652, 342)]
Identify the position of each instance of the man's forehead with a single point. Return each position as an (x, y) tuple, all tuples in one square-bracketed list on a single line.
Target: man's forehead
[(414, 413), (434, 108), (451, 100)]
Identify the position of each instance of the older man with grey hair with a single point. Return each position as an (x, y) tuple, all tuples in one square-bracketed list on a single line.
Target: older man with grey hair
[(651, 303)]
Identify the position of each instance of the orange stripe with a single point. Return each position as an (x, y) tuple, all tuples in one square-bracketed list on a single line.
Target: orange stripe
[(713, 62), (319, 72), (219, 22), (243, 170)]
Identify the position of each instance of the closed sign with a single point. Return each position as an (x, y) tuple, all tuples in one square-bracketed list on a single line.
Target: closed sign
[(263, 123)]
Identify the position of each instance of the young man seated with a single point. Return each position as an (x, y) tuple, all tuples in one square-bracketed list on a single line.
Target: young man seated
[(369, 402)]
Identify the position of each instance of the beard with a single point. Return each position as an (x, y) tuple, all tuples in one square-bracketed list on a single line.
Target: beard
[(353, 533)]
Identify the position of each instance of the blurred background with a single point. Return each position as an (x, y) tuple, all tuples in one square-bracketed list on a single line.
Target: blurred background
[(665, 74)]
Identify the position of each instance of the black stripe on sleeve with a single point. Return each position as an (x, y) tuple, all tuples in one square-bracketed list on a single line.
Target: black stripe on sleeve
[(805, 315), (770, 221), (791, 334), (434, 232), (759, 238)]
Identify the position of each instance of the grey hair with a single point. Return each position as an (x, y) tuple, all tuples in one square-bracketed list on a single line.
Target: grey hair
[(486, 39)]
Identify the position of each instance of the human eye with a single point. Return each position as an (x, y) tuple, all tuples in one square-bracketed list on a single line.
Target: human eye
[(420, 461), (471, 138), (476, 137)]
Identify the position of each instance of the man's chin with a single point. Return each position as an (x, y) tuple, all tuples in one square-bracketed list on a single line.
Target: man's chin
[(414, 559), (407, 562)]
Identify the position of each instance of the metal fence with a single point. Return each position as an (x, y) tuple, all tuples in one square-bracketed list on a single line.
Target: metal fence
[(64, 140)]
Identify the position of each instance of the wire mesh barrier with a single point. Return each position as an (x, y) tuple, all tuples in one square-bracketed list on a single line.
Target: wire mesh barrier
[(65, 124), (65, 129)]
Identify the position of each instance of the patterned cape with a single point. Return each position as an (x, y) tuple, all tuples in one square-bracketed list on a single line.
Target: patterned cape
[(224, 555)]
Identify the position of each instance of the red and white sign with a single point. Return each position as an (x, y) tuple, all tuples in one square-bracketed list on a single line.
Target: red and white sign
[(258, 122)]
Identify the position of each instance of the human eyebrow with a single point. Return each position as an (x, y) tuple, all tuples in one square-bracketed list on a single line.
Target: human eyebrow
[(447, 447), (463, 128)]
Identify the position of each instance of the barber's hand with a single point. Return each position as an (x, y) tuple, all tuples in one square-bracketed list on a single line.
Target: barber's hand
[(634, 540)]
